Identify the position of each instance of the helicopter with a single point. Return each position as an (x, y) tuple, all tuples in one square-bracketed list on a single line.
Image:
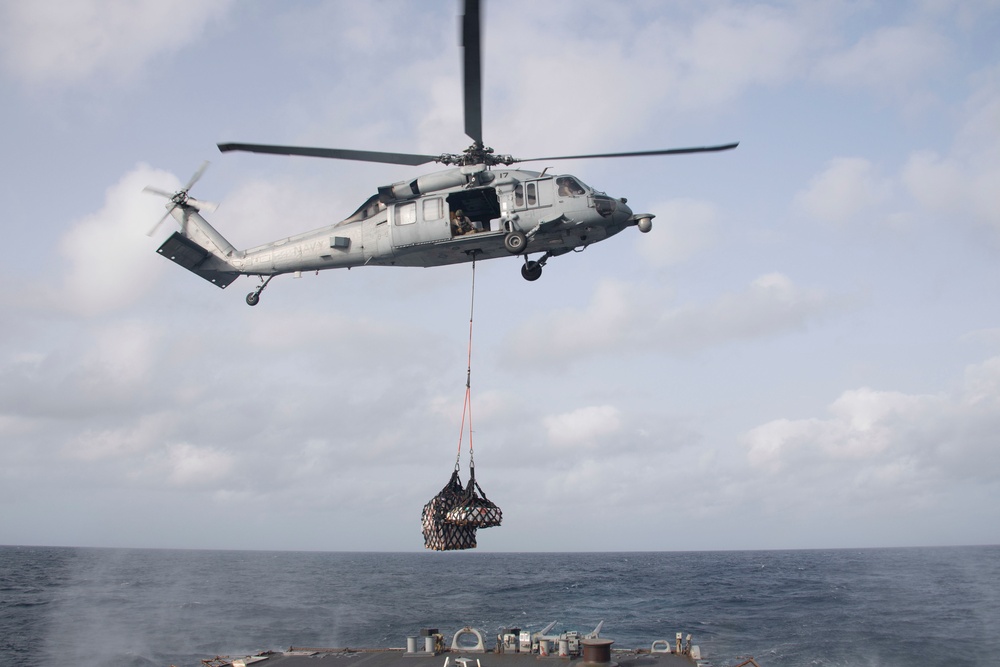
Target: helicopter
[(481, 207)]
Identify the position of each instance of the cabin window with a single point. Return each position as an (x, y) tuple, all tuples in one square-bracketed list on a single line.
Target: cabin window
[(433, 209), (406, 214), (533, 194)]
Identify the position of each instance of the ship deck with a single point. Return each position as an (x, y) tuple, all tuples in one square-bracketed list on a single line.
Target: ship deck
[(342, 657)]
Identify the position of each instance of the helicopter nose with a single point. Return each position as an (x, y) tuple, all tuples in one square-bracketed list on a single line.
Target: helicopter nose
[(622, 211)]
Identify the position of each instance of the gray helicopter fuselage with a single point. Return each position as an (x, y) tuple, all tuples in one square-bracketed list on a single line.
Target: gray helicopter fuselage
[(557, 213)]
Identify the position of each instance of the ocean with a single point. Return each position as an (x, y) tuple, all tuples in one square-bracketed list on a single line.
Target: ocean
[(850, 607)]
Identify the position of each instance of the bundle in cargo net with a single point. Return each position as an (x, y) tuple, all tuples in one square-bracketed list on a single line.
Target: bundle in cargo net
[(440, 535), (474, 508)]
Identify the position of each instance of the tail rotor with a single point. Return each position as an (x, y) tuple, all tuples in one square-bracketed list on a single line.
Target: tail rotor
[(181, 199)]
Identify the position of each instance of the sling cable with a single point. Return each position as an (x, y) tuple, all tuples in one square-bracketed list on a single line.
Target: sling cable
[(451, 517)]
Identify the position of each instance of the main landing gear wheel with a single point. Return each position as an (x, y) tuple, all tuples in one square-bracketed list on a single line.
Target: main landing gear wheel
[(515, 242), (531, 271)]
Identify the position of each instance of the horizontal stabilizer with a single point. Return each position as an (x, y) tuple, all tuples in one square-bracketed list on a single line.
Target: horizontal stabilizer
[(193, 257)]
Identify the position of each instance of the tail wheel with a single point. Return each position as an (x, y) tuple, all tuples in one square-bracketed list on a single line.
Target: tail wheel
[(515, 242), (253, 298)]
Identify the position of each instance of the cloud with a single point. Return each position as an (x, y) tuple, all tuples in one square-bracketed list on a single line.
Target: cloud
[(676, 63), (121, 356), (303, 330), (191, 465), (107, 253), (120, 441), (965, 182), (12, 425), (623, 317), (953, 188), (889, 442), (847, 189), (69, 43), (890, 60), (570, 332), (682, 229), (84, 374), (583, 427), (772, 304), (861, 429), (736, 47)]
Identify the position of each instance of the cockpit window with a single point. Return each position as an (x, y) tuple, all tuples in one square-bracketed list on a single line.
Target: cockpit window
[(569, 187)]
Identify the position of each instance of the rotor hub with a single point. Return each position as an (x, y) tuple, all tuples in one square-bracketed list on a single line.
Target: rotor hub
[(477, 153)]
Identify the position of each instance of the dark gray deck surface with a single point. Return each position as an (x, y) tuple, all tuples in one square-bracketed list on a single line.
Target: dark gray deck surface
[(398, 658)]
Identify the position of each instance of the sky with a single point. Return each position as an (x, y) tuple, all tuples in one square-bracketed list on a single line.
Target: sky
[(804, 352)]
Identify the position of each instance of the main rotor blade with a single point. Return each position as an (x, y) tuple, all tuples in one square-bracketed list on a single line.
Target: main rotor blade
[(411, 159), (665, 151), (472, 71)]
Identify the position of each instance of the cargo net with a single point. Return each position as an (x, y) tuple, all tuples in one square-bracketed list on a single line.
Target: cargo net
[(440, 535), (474, 508)]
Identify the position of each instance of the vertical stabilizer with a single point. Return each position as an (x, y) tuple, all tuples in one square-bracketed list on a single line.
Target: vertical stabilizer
[(197, 246)]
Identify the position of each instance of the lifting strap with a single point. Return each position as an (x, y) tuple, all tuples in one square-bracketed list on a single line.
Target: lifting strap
[(467, 407)]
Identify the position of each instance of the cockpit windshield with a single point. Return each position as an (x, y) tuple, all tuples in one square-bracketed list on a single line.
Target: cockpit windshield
[(366, 210), (570, 187)]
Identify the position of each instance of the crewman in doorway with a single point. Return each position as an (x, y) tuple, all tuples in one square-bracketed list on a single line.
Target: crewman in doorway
[(460, 224)]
